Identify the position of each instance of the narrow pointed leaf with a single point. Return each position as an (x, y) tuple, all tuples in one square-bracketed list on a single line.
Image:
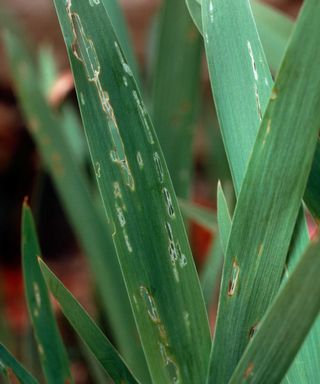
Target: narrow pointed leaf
[(245, 77), (289, 126), (213, 266), (274, 29), (211, 272), (88, 331), (9, 362), (224, 218), (48, 338), (301, 369), (285, 325), (273, 26), (194, 7), (139, 199), (199, 214), (240, 37), (52, 352), (306, 366)]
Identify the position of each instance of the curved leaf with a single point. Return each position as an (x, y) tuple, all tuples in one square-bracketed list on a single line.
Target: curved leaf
[(8, 362), (53, 355), (199, 214), (224, 218), (88, 331)]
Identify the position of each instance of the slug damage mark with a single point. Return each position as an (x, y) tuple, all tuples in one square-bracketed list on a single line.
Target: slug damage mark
[(94, 2), (168, 202), (253, 330), (211, 11), (268, 130), (175, 252), (144, 117), (232, 285), (84, 50), (170, 365), (253, 62), (158, 165), (256, 92), (256, 78), (249, 371), (120, 208), (140, 160)]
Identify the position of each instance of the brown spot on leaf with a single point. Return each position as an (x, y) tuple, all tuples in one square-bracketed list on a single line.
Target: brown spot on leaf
[(249, 371), (253, 330)]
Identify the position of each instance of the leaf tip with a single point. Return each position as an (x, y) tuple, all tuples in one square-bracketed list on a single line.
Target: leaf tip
[(26, 202)]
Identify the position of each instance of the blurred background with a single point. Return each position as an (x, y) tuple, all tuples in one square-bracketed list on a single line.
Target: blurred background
[(22, 172)]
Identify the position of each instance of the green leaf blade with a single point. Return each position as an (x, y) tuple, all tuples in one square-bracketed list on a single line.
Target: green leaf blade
[(211, 272), (248, 89), (117, 18), (274, 29), (269, 354), (52, 352), (138, 195), (194, 8), (263, 223), (8, 361), (89, 332), (213, 266), (224, 218)]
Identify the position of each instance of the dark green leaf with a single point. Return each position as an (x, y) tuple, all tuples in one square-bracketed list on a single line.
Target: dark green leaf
[(51, 350), (119, 23), (139, 199), (89, 332), (8, 362)]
